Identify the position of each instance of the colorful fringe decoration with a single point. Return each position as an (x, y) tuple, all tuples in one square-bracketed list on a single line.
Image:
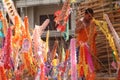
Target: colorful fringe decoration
[(7, 50), (12, 12), (36, 39), (47, 46), (66, 33), (16, 40), (42, 73), (73, 60), (27, 60), (85, 67), (103, 27), (62, 16), (2, 73), (67, 55), (89, 59), (63, 54)]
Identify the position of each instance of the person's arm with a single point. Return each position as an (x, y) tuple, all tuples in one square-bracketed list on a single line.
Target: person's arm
[(79, 26)]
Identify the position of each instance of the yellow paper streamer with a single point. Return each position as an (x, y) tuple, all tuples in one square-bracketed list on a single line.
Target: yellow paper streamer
[(103, 27), (47, 45)]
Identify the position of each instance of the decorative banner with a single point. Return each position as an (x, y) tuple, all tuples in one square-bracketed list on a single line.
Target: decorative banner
[(115, 35), (104, 28), (12, 12), (62, 16), (73, 59), (66, 33), (89, 59), (47, 45), (37, 34), (26, 45), (7, 49), (2, 73), (43, 26), (63, 54)]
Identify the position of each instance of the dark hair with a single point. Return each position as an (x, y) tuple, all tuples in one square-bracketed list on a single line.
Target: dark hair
[(89, 11)]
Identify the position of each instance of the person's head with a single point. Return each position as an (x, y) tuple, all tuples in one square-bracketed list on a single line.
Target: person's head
[(89, 14)]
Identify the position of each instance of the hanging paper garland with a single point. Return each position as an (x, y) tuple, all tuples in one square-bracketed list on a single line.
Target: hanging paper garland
[(66, 33), (10, 8), (2, 73), (73, 60), (103, 27), (62, 16), (7, 50)]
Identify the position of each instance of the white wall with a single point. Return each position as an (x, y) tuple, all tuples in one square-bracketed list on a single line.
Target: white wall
[(44, 10), (30, 14)]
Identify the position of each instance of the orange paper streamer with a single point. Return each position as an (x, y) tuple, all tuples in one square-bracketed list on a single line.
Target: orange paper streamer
[(2, 73)]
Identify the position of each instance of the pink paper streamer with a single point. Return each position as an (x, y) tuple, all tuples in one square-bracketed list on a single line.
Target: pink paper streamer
[(7, 50), (73, 59), (89, 59)]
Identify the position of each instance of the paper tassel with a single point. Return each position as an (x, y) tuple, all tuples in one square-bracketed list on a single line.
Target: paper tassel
[(26, 34), (42, 73), (62, 16), (114, 35), (80, 65), (27, 58), (104, 28), (12, 12), (28, 63), (43, 26), (73, 60), (66, 33), (84, 62), (89, 59), (67, 55), (5, 26), (36, 39), (17, 34), (47, 45), (7, 50), (16, 40), (63, 54), (37, 34), (2, 73), (4, 23)]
